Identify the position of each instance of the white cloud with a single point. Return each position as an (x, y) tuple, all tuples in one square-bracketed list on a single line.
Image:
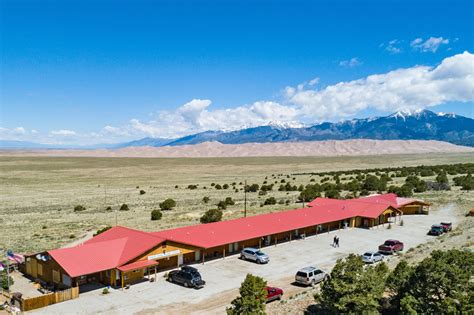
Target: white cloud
[(63, 132), (392, 46), (430, 45), (353, 62), (313, 82), (195, 116), (402, 89)]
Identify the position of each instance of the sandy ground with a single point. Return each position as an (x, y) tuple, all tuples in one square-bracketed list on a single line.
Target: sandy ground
[(224, 276), (304, 148)]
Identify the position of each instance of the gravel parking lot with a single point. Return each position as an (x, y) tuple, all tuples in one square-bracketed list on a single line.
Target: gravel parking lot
[(224, 276)]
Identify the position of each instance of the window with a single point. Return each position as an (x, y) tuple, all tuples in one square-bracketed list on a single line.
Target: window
[(317, 272)]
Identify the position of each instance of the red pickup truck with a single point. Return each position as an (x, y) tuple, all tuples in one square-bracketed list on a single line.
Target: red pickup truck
[(390, 247)]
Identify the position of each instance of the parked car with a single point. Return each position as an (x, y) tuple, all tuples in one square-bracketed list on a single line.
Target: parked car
[(310, 276), (372, 257), (187, 276), (447, 226), (273, 294), (436, 229), (390, 247), (255, 255)]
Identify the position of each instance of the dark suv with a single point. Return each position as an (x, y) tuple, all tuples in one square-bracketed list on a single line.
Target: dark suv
[(187, 276)]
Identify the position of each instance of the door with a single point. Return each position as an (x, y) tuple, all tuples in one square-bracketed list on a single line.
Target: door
[(34, 268), (180, 260), (197, 255)]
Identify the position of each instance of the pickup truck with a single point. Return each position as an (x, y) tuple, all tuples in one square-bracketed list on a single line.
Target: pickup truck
[(390, 247), (447, 226), (436, 229)]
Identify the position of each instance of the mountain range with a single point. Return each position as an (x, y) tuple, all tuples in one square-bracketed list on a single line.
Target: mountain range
[(417, 125)]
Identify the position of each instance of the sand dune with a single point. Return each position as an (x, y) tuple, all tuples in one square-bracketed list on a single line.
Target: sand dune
[(310, 148)]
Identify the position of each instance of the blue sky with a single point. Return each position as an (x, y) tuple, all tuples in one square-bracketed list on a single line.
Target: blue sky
[(106, 71)]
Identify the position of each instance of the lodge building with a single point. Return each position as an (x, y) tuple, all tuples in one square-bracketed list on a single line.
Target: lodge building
[(122, 256)]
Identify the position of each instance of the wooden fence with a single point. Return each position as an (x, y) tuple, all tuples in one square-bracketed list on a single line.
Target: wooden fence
[(48, 299)]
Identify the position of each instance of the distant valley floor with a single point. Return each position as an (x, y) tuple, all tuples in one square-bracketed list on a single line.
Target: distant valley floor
[(306, 148)]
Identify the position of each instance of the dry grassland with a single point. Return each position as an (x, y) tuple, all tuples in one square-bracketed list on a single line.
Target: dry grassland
[(38, 194)]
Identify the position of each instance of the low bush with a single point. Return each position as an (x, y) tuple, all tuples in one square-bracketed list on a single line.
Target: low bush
[(79, 208), (156, 215), (168, 204), (124, 207), (212, 215)]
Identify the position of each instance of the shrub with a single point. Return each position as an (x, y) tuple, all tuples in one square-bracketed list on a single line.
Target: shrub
[(124, 207), (205, 199), (222, 205), (192, 187), (102, 230), (218, 186), (72, 236), (142, 192), (109, 208), (79, 208), (156, 215), (4, 280), (225, 186), (105, 291), (252, 188), (229, 201), (212, 215), (270, 201), (168, 204)]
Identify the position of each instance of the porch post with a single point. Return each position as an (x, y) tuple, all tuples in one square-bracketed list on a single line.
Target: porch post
[(224, 252), (121, 274), (290, 236)]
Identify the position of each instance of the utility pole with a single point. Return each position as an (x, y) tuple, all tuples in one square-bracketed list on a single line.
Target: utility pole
[(105, 196), (245, 199)]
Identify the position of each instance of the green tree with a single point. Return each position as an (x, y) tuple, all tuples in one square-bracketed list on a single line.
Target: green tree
[(398, 282), (212, 215), (439, 284), (353, 287), (4, 280), (442, 178), (252, 297), (310, 192), (270, 201), (156, 215), (102, 230), (168, 204)]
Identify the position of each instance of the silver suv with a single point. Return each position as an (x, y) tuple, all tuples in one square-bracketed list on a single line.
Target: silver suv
[(255, 255), (310, 276)]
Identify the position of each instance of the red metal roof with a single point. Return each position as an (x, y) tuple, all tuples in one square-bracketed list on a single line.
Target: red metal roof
[(138, 265), (107, 250), (225, 232), (89, 258)]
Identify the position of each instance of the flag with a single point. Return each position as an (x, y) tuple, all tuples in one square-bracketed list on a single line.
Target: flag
[(15, 257)]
